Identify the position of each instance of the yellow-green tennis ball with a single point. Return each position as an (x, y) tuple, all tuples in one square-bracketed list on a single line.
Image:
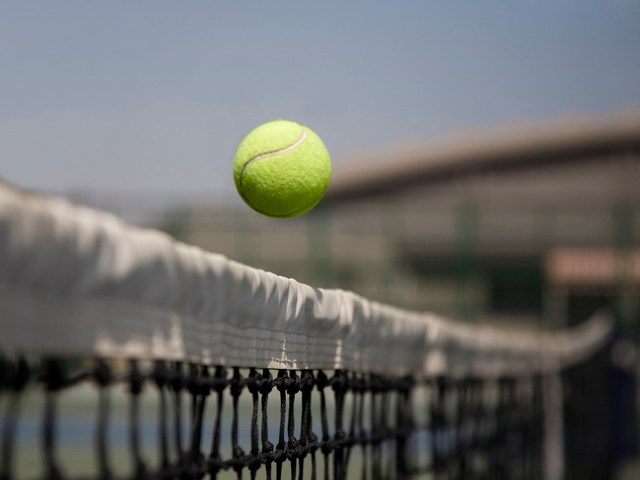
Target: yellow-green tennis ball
[(282, 169)]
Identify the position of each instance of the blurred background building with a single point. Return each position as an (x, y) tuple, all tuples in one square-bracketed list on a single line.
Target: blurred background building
[(536, 225)]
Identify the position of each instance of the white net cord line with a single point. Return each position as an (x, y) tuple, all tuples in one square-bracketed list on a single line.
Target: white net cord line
[(77, 281)]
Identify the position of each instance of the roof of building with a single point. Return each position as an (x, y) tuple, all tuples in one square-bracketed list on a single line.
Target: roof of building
[(515, 147)]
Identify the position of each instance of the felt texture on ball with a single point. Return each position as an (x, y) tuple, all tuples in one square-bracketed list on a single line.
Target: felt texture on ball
[(282, 169)]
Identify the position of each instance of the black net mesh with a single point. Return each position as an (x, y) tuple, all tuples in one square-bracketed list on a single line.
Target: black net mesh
[(163, 420)]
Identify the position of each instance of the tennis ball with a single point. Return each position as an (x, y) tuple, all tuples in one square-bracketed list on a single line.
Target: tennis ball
[(282, 169)]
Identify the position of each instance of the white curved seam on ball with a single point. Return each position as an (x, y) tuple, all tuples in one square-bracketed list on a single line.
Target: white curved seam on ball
[(293, 146)]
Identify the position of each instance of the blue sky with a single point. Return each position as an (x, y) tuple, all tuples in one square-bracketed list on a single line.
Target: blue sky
[(155, 95)]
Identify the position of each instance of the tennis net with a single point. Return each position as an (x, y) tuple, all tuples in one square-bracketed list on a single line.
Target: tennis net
[(125, 354)]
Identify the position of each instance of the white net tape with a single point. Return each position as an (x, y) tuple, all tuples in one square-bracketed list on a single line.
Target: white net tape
[(75, 281)]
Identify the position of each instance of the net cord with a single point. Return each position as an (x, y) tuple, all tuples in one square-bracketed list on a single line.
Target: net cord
[(75, 281)]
